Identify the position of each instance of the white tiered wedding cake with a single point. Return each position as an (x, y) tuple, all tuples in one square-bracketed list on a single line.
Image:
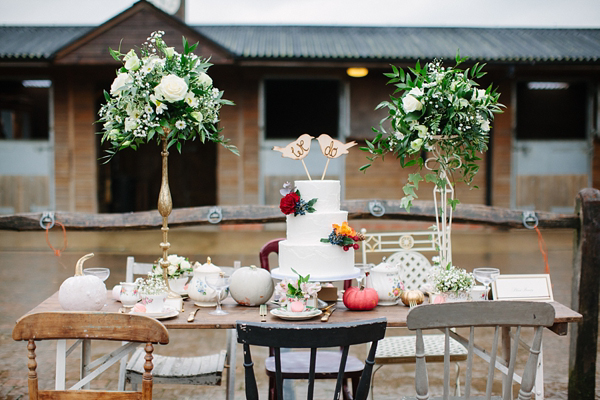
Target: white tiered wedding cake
[(303, 250)]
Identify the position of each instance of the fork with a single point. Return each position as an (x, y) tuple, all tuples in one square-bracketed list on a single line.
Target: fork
[(263, 313), (412, 303)]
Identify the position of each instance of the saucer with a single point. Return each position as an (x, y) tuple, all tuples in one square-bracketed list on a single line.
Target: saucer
[(167, 312), (296, 316)]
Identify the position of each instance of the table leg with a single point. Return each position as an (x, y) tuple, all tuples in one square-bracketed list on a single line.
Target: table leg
[(86, 357), (61, 364), (230, 361)]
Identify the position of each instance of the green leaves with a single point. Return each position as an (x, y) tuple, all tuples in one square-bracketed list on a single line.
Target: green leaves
[(436, 113)]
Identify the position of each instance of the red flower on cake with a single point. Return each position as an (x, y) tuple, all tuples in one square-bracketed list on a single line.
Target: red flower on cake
[(288, 203)]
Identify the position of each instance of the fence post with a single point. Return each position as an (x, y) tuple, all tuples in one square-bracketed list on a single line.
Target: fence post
[(584, 296)]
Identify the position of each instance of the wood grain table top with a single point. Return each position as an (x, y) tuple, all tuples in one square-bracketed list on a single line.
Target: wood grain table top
[(395, 315)]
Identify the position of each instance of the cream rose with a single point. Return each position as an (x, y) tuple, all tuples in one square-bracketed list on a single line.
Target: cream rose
[(197, 115), (204, 79), (422, 131), (170, 52), (121, 80), (171, 88), (416, 145), (130, 124), (410, 102)]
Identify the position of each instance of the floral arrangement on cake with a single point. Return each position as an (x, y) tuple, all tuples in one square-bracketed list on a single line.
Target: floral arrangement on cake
[(296, 289), (450, 279), (178, 267), (292, 203), (439, 110), (344, 236), (153, 284), (161, 92)]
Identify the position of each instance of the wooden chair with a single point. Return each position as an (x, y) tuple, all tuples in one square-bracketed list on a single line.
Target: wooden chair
[(310, 337), (496, 314), (295, 364), (90, 325), (414, 268), (201, 370)]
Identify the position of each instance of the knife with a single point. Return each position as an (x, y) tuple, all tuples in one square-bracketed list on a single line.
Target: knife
[(328, 312)]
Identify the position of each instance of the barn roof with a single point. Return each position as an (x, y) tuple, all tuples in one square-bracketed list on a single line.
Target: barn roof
[(313, 43)]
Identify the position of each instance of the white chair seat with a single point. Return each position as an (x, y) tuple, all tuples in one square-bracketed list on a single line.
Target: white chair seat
[(204, 370), (401, 349)]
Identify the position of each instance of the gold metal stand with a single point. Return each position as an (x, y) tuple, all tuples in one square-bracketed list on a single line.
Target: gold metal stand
[(165, 206)]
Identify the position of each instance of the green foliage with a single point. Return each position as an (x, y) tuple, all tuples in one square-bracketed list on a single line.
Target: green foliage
[(140, 109), (438, 111)]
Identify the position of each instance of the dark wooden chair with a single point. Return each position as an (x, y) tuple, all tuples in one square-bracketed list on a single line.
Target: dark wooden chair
[(496, 314), (89, 325), (295, 365), (311, 337)]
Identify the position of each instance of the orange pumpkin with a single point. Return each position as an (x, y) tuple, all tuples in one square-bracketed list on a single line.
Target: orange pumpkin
[(360, 299)]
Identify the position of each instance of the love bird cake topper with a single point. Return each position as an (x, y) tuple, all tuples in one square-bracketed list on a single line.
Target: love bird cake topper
[(299, 148)]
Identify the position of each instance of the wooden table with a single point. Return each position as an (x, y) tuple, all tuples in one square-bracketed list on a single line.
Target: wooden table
[(395, 315)]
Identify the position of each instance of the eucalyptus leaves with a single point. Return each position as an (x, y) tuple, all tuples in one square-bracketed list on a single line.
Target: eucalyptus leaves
[(161, 93), (439, 110)]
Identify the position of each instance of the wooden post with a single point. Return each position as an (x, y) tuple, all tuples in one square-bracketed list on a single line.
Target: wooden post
[(585, 289)]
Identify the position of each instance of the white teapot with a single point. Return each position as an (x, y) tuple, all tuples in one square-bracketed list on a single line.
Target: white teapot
[(198, 290), (385, 279)]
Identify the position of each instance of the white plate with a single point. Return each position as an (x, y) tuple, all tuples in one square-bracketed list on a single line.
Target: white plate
[(166, 313), (295, 316)]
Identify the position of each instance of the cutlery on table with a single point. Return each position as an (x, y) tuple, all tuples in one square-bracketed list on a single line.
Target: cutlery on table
[(192, 315), (327, 314), (263, 312)]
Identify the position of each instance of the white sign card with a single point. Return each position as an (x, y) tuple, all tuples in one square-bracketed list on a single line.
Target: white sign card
[(523, 287)]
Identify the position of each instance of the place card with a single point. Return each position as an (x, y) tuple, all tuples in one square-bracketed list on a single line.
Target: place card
[(531, 287)]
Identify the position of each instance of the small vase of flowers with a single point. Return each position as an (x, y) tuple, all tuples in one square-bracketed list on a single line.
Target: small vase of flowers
[(153, 291), (178, 272), (450, 284), (295, 293)]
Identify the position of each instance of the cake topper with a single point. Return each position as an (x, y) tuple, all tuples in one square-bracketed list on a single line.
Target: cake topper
[(332, 148), (297, 150)]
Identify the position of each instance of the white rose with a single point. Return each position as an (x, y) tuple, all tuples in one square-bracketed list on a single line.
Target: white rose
[(173, 259), (416, 144), (204, 80), (170, 52), (171, 269), (410, 104), (422, 131), (416, 91), (171, 88), (130, 124), (121, 80), (478, 94), (185, 264), (485, 125), (132, 62), (197, 115)]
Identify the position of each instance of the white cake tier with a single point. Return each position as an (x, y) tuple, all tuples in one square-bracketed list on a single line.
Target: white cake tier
[(311, 228), (327, 194), (320, 260)]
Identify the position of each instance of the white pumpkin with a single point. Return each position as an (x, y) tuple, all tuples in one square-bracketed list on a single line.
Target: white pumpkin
[(251, 286), (82, 292)]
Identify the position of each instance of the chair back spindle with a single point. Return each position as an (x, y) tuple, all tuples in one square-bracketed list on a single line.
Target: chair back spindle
[(310, 337)]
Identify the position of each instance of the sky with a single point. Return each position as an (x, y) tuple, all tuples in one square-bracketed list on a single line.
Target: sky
[(469, 13)]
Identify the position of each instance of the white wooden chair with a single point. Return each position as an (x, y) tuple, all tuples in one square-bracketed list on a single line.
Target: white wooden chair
[(406, 248), (500, 315), (201, 370)]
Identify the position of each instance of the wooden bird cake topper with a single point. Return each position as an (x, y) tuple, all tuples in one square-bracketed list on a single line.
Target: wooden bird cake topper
[(332, 148), (297, 150)]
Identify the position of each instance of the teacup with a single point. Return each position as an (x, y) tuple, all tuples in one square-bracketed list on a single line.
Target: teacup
[(155, 303), (129, 295)]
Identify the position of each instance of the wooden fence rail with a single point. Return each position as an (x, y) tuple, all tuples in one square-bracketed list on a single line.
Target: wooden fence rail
[(586, 263), (252, 214)]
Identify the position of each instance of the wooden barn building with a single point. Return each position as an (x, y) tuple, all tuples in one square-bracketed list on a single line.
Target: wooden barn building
[(285, 81)]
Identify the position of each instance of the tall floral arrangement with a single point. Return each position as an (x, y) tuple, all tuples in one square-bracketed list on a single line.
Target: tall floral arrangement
[(161, 92), (440, 110)]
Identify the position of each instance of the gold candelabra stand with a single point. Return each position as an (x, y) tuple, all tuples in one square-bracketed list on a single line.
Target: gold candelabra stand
[(165, 206)]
